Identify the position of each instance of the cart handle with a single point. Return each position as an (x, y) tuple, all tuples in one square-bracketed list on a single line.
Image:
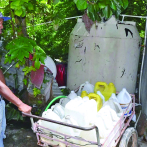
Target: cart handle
[(58, 97), (68, 125)]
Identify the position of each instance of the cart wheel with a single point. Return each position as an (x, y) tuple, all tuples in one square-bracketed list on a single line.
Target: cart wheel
[(129, 138)]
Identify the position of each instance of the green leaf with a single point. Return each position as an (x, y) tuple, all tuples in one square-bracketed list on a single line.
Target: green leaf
[(18, 12), (55, 2), (36, 91), (15, 3), (125, 3), (37, 48), (37, 63), (32, 42), (14, 54), (6, 60), (96, 8), (23, 11), (75, 1), (42, 58), (25, 81), (91, 8), (91, 12), (102, 5), (39, 102), (107, 12), (113, 6), (20, 48), (30, 6), (81, 4), (25, 1), (17, 65)]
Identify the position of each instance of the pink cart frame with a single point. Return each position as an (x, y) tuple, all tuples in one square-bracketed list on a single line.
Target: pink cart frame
[(111, 140)]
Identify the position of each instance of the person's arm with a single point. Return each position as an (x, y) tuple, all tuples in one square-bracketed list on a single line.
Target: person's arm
[(7, 94), (2, 78)]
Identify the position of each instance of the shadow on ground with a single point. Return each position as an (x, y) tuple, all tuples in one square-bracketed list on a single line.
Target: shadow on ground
[(19, 134)]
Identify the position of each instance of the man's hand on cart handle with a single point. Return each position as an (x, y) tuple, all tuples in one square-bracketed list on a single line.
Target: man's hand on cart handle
[(25, 108)]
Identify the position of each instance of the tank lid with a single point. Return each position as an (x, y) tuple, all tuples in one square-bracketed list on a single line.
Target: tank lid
[(79, 20), (112, 20)]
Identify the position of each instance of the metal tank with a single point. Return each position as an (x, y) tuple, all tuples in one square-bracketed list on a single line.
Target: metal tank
[(109, 53)]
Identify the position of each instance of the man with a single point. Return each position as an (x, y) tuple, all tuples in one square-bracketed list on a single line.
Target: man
[(7, 94)]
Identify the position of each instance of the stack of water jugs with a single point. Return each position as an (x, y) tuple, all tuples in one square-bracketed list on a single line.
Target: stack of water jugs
[(91, 105)]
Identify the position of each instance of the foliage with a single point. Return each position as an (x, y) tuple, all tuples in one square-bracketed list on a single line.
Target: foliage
[(65, 91), (28, 69), (20, 49), (53, 36), (45, 38), (20, 7), (12, 112), (36, 91), (137, 8), (98, 9)]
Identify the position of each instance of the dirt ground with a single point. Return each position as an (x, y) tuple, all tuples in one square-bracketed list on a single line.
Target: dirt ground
[(20, 135)]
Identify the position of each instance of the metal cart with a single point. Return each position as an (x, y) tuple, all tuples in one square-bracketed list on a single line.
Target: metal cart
[(121, 135)]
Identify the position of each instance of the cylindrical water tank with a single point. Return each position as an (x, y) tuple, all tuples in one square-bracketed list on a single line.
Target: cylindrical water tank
[(109, 53)]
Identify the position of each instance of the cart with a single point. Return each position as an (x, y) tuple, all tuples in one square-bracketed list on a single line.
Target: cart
[(121, 135)]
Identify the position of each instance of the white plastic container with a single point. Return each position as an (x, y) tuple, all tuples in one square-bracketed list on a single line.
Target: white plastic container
[(100, 94), (95, 52), (124, 99), (50, 115), (74, 103), (68, 130), (89, 88), (64, 101), (91, 135), (105, 113), (114, 105), (58, 109), (72, 95), (105, 124), (81, 110)]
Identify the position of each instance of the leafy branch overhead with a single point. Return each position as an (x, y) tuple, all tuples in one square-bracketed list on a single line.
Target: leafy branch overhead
[(20, 7), (98, 9), (20, 48)]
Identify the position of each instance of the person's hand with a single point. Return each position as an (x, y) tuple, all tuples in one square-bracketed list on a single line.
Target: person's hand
[(25, 108)]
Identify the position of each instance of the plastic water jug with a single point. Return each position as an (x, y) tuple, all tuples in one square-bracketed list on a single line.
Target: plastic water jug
[(72, 95), (91, 135), (68, 130), (89, 88), (97, 98), (88, 109), (83, 94), (58, 109), (81, 110), (50, 115), (74, 103), (105, 89), (102, 97), (64, 101), (114, 105), (104, 123), (124, 99)]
